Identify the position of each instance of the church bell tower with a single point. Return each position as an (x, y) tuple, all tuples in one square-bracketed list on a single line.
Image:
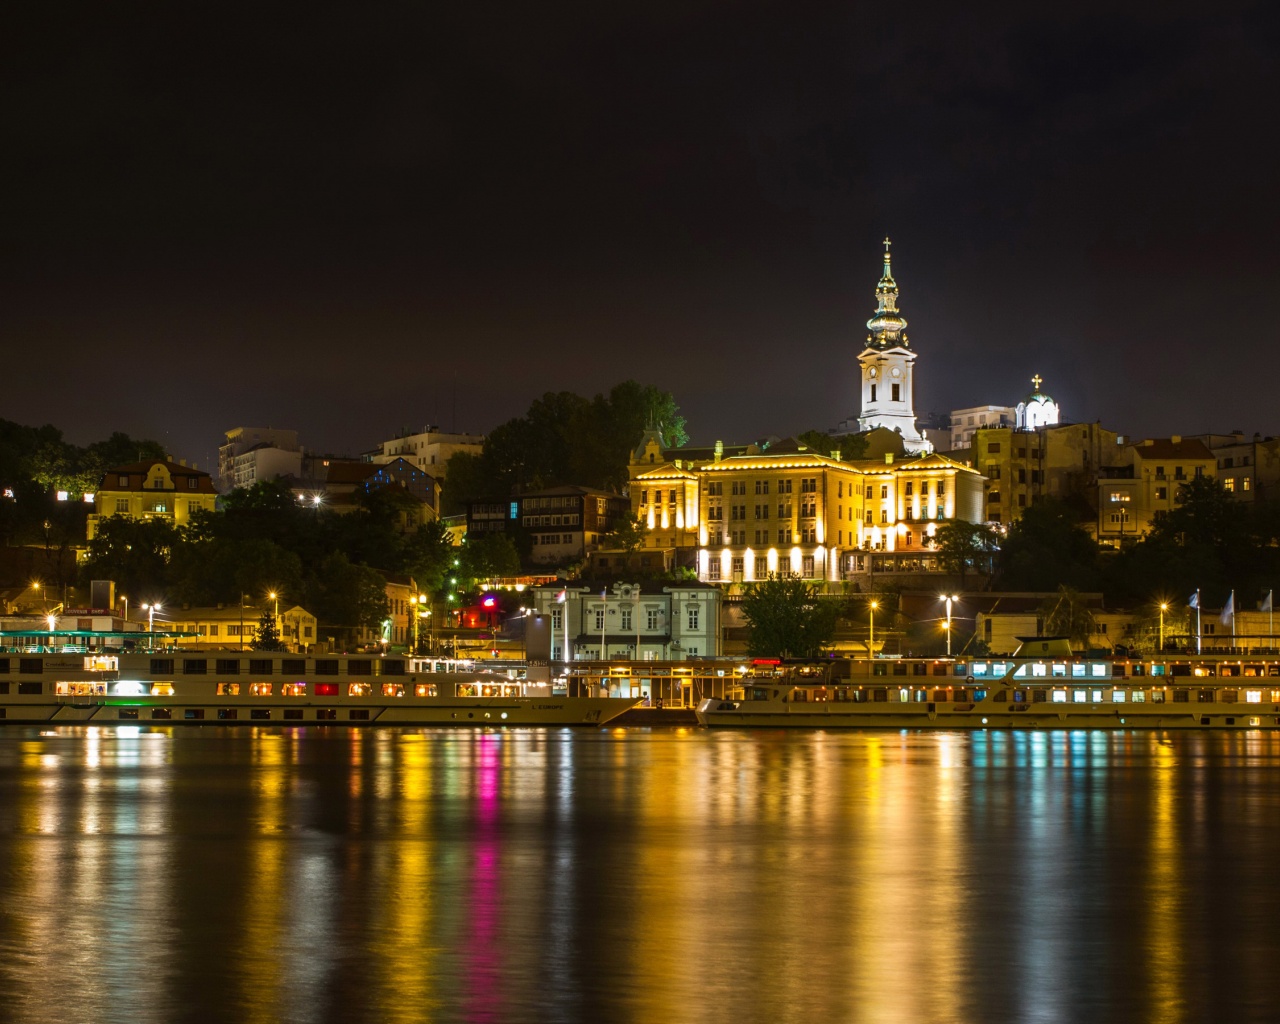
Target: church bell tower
[(888, 368)]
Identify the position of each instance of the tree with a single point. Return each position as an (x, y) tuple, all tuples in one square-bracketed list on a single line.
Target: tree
[(485, 558), (850, 446), (428, 556), (786, 618), (1068, 615), (1045, 549), (267, 637), (133, 552), (963, 545), (628, 535), (345, 597)]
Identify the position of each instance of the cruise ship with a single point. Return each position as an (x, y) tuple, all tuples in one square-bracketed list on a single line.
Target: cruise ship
[(1043, 685), (83, 679)]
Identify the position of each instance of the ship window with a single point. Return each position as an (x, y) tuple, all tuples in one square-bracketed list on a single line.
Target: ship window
[(359, 689), (228, 689), (326, 714), (293, 714), (30, 688), (1181, 696), (128, 714), (260, 689), (162, 666), (1118, 696), (1253, 696), (30, 666), (1039, 669), (393, 668), (327, 667), (1059, 671), (425, 690), (358, 715), (326, 689), (1096, 696), (363, 667), (1059, 696), (193, 714), (1039, 696), (880, 695), (228, 666), (227, 714), (4, 687), (393, 689), (260, 713), (1080, 696), (161, 714), (195, 666), (260, 666), (1230, 697), (162, 689), (978, 669), (1204, 696), (293, 690), (294, 666)]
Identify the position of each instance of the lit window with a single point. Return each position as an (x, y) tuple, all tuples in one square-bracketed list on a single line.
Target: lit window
[(228, 689), (260, 689), (424, 690), (393, 689), (1080, 696), (293, 689)]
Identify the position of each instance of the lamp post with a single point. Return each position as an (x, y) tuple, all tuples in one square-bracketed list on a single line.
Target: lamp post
[(871, 634), (1164, 607), (151, 624), (947, 626)]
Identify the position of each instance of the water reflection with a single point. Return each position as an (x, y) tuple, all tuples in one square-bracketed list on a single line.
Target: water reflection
[(636, 876)]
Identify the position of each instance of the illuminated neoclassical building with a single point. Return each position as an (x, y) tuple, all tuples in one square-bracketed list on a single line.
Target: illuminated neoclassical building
[(741, 514)]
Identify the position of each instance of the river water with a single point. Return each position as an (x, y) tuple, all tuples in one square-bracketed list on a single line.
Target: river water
[(637, 875)]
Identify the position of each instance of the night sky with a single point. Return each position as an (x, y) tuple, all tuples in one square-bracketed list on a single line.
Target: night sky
[(353, 218)]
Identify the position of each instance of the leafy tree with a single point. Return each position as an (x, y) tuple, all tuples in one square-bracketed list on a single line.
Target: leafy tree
[(1045, 549), (628, 535), (786, 618), (963, 546), (1068, 614), (850, 446), (486, 557), (267, 636), (133, 552), (345, 597), (428, 556)]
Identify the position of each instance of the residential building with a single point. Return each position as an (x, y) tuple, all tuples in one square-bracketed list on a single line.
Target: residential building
[(338, 484), (233, 627), (429, 449), (560, 524), (1249, 470), (251, 454), (1131, 496), (397, 628), (965, 421), (644, 621), (153, 489)]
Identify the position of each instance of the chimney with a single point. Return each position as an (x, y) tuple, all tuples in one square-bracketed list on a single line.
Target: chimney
[(888, 458), (1176, 439), (719, 450), (836, 455)]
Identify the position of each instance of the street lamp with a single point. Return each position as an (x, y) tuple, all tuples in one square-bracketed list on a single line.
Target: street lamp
[(871, 636), (151, 624), (947, 626), (1164, 607)]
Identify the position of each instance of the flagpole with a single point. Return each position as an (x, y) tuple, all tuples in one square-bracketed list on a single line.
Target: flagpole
[(1271, 616), (1198, 634)]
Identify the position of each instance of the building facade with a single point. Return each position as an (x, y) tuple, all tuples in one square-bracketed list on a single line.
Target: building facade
[(560, 524), (788, 509), (250, 454), (153, 489), (964, 422), (647, 621), (429, 449), (1132, 495)]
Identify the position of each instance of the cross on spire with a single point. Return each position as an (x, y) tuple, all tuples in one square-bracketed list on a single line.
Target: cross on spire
[(886, 243), (1037, 380)]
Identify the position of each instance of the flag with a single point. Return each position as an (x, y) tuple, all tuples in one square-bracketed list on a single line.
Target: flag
[(560, 597), (1195, 600), (1228, 610), (1266, 605)]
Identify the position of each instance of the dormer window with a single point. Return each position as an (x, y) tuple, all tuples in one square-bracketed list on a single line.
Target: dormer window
[(123, 481)]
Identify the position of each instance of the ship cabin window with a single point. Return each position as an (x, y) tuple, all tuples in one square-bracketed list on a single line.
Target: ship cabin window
[(1138, 696), (1059, 696), (1204, 696), (424, 690), (326, 714), (4, 688), (1080, 696), (939, 669), (228, 689), (1118, 696), (1079, 670), (326, 689), (511, 690), (260, 666), (4, 666), (1253, 696), (161, 714), (358, 715), (326, 666), (193, 714), (362, 667), (1059, 671), (260, 689), (465, 690), (228, 666), (1095, 696), (1039, 669), (162, 666), (880, 695), (799, 696), (228, 714), (393, 689), (128, 714), (162, 689), (1230, 696), (359, 689), (195, 666), (293, 689), (1181, 696), (758, 693), (392, 667), (292, 714), (30, 666), (294, 666), (490, 690), (260, 713), (1157, 670)]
